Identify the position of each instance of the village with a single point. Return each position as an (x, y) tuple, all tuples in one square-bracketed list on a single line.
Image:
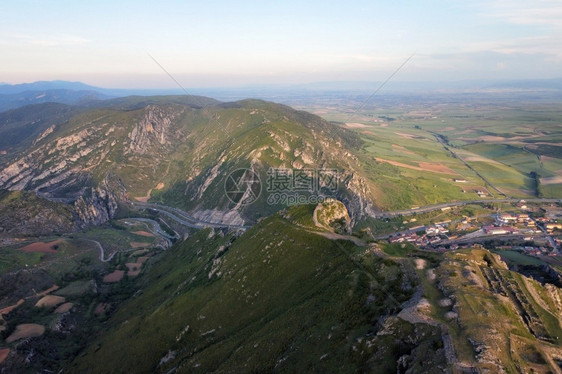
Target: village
[(517, 231)]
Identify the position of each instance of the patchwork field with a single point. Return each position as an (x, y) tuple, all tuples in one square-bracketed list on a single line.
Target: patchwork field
[(60, 255), (114, 277), (64, 308), (515, 149), (50, 301), (50, 247), (52, 287), (26, 330)]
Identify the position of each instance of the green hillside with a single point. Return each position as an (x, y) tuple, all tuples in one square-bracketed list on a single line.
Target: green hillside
[(23, 213), (20, 127), (278, 298), (179, 150)]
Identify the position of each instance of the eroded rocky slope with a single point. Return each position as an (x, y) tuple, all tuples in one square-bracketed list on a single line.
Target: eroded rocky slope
[(179, 153)]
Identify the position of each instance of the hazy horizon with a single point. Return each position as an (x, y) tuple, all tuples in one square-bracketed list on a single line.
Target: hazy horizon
[(352, 85)]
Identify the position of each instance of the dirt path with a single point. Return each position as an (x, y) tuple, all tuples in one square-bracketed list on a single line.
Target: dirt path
[(159, 186), (46, 292), (8, 309), (333, 236), (102, 252), (143, 199)]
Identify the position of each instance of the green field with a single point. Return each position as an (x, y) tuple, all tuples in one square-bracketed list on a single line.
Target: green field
[(13, 259), (503, 143), (514, 257), (70, 254)]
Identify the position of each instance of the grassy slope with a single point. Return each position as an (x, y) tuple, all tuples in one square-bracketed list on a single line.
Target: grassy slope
[(19, 127), (24, 213), (286, 299)]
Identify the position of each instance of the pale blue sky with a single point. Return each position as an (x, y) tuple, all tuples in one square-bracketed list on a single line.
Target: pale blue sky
[(226, 43)]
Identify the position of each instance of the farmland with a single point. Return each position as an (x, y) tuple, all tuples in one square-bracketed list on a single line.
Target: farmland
[(417, 149), (44, 280)]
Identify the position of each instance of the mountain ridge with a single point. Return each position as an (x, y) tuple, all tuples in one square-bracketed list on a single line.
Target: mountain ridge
[(177, 150)]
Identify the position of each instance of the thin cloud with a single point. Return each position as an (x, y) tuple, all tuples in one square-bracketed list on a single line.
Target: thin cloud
[(539, 13)]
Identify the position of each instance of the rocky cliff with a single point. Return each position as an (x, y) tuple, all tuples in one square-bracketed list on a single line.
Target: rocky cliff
[(181, 155), (100, 204)]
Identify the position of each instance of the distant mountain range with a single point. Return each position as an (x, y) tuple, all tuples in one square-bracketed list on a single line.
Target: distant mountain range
[(10, 89), (64, 92), (15, 96), (77, 93)]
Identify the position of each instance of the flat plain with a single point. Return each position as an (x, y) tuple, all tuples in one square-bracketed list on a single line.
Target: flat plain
[(430, 149)]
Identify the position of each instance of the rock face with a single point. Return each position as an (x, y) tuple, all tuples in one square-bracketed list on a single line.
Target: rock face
[(64, 166), (359, 199), (151, 130), (231, 217), (54, 168), (148, 142), (98, 207)]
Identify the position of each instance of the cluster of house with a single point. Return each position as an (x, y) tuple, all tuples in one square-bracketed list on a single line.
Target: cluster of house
[(551, 226), (507, 223), (430, 236), (520, 223), (437, 236)]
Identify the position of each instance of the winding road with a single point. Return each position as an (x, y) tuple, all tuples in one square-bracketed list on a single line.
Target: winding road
[(183, 218), (102, 251), (429, 208)]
